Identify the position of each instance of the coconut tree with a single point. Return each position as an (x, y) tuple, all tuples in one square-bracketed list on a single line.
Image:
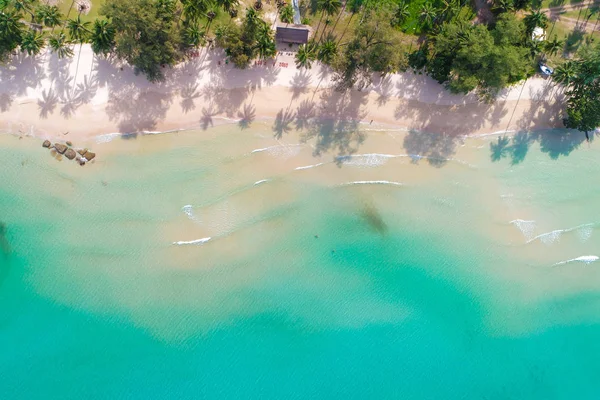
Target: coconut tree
[(192, 35), (428, 14), (102, 37), (11, 32), (60, 45), (554, 46), (49, 15), (287, 14), (24, 6), (78, 30), (566, 73), (401, 14), (228, 5), (32, 43), (211, 14), (329, 7), (306, 55), (503, 6), (327, 50), (194, 9), (265, 45), (258, 5), (535, 19), (355, 7)]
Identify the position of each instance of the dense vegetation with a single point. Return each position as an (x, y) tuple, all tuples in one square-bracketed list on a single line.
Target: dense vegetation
[(356, 38)]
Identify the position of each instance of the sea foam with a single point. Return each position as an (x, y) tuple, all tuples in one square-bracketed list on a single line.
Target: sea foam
[(583, 259), (192, 242), (584, 232), (372, 183)]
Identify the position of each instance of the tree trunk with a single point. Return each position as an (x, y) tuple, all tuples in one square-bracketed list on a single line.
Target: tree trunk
[(345, 29)]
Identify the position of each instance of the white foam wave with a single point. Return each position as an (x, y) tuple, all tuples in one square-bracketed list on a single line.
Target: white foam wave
[(366, 160), (308, 166), (583, 259), (261, 182), (281, 150), (372, 183), (192, 242), (526, 227), (107, 137), (584, 231), (188, 209)]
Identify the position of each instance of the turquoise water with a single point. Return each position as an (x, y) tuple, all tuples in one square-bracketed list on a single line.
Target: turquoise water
[(314, 284)]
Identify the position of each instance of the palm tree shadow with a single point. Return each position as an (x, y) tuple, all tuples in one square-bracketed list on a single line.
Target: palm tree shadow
[(283, 122), (47, 103), (247, 115), (70, 104), (188, 94), (304, 113), (500, 148), (86, 90), (299, 83), (207, 114), (6, 100)]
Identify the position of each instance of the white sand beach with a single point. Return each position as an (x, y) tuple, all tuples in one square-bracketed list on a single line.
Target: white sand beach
[(86, 96)]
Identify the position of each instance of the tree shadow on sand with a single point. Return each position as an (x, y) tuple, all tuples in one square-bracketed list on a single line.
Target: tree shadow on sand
[(283, 122), (555, 143), (335, 126), (47, 103), (246, 115)]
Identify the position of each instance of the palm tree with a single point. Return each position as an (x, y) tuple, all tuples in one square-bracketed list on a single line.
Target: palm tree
[(166, 9), (194, 9), (305, 56), (401, 14), (103, 37), (229, 6), (211, 14), (265, 45), (32, 43), (554, 46), (329, 7), (536, 19), (192, 35), (24, 6), (428, 14), (327, 50), (355, 7), (48, 15), (503, 6), (258, 5), (60, 45), (78, 29), (287, 14), (566, 73)]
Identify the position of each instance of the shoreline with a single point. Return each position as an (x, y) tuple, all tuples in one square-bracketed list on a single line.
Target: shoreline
[(89, 97)]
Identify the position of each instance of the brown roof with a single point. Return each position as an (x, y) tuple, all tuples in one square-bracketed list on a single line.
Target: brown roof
[(293, 33)]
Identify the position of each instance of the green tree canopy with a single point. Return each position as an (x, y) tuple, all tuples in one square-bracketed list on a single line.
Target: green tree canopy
[(145, 36)]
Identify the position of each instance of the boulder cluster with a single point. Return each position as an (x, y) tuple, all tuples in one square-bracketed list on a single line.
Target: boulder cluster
[(81, 156)]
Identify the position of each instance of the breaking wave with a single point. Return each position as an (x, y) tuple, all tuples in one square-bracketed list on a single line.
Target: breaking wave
[(192, 242), (584, 232), (526, 227), (583, 259), (308, 166), (372, 183)]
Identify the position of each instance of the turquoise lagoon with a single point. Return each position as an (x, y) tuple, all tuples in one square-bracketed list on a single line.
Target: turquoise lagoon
[(223, 264)]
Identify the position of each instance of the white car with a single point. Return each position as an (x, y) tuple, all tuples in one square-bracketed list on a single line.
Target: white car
[(546, 70)]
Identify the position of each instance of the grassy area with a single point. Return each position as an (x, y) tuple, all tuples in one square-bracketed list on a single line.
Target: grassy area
[(64, 6), (558, 3)]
